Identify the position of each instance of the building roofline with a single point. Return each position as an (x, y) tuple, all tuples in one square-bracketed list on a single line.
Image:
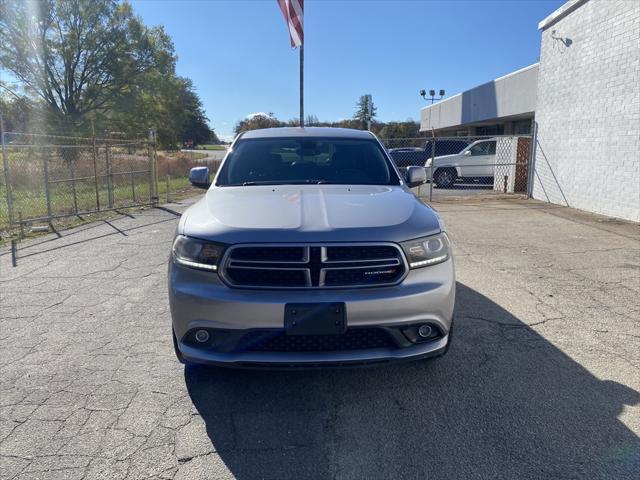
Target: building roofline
[(560, 13), (503, 77), (523, 69)]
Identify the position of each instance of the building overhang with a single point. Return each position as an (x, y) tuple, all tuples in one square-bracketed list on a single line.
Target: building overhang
[(510, 97)]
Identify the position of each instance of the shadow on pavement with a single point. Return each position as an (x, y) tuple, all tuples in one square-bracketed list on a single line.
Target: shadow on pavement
[(92, 232), (468, 186), (503, 403)]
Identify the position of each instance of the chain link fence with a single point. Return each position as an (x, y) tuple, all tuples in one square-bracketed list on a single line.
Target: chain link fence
[(466, 166), (173, 171), (48, 177)]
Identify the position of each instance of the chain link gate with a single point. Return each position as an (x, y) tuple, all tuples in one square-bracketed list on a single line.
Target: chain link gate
[(466, 166)]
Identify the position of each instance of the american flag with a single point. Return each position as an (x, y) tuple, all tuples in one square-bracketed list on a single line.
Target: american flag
[(293, 12)]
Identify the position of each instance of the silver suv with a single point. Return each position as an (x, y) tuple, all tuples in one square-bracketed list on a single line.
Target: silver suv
[(309, 248)]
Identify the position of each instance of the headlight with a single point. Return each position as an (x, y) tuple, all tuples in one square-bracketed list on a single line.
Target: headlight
[(196, 253), (427, 251)]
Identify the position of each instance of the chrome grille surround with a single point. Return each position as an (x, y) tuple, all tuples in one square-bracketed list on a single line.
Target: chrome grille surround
[(315, 264)]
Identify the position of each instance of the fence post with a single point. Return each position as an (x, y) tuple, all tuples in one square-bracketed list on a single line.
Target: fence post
[(109, 176), (5, 168), (433, 160), (532, 155), (45, 169), (133, 188), (72, 168), (168, 187), (95, 165), (95, 171), (153, 172), (14, 253), (21, 225)]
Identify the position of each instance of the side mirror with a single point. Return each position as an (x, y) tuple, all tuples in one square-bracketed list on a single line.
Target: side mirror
[(467, 153), (199, 177), (415, 176)]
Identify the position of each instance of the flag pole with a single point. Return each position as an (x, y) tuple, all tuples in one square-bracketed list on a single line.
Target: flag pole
[(302, 85)]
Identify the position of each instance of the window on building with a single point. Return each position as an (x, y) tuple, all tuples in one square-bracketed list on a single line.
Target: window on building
[(490, 130), (522, 127)]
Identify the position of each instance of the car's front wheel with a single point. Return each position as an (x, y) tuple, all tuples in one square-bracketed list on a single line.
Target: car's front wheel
[(445, 177)]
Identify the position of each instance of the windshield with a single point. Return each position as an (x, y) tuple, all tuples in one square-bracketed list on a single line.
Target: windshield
[(306, 161)]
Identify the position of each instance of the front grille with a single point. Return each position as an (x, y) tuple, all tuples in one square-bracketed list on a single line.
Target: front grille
[(278, 341), (313, 266), (271, 254), (362, 252), (267, 277)]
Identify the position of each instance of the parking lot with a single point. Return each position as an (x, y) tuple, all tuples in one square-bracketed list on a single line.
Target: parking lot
[(542, 379)]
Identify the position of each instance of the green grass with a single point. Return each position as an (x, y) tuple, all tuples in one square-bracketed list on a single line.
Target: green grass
[(211, 147), (32, 203), (26, 169)]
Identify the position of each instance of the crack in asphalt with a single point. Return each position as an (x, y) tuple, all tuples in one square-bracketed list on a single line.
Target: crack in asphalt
[(88, 376)]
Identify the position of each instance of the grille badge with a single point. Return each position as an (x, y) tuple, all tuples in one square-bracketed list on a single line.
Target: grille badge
[(381, 272)]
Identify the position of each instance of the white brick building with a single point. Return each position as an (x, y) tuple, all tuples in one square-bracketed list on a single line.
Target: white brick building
[(588, 108)]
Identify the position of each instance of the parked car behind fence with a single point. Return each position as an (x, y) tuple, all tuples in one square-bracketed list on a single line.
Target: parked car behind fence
[(417, 156), (446, 146), (475, 162)]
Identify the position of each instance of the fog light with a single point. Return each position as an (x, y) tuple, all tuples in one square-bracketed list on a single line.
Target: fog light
[(425, 331), (202, 336)]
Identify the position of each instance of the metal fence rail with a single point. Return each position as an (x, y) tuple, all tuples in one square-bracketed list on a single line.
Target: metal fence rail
[(48, 177), (466, 166)]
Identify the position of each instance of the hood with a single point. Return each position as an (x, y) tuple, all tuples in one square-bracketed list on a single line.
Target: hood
[(444, 157), (295, 213)]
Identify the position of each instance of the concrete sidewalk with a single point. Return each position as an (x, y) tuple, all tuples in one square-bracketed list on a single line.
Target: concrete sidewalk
[(541, 381)]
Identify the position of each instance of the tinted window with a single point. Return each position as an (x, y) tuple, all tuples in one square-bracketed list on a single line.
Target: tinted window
[(449, 147), (300, 161), (408, 157), (484, 148)]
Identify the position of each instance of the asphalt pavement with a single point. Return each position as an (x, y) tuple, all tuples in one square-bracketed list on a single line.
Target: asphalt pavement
[(541, 381)]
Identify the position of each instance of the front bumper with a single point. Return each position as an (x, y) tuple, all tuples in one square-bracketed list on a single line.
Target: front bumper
[(200, 299)]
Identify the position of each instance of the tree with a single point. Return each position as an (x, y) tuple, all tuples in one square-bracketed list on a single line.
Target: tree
[(16, 115), (94, 66), (312, 121), (257, 121), (408, 129), (80, 58), (194, 122), (170, 105), (364, 111)]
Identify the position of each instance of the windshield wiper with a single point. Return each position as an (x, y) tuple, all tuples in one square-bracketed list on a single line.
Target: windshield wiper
[(278, 182), (253, 182)]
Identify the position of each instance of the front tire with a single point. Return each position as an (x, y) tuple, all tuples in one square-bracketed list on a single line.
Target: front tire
[(445, 177)]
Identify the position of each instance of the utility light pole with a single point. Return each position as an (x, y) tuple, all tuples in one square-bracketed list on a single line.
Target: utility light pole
[(432, 94)]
